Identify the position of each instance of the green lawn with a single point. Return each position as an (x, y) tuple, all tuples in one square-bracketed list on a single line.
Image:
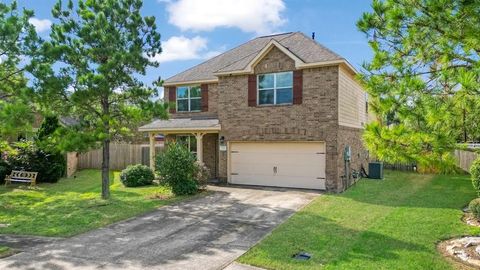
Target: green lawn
[(72, 206), (3, 251), (390, 224)]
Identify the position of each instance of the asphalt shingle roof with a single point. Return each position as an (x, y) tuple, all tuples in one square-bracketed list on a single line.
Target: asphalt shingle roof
[(182, 123), (308, 50)]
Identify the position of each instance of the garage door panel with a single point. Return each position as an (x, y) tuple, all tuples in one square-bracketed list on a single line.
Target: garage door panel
[(302, 182), (300, 171), (253, 179), (253, 168), (307, 158), (274, 147), (299, 165)]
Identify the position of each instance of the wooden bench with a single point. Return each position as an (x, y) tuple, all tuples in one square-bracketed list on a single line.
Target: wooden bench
[(22, 176)]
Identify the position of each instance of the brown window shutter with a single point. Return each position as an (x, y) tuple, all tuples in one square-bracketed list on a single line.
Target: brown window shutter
[(172, 98), (204, 88), (297, 86), (252, 90)]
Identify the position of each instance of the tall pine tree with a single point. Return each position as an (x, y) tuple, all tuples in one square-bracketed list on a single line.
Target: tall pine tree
[(95, 54), (18, 40), (424, 78)]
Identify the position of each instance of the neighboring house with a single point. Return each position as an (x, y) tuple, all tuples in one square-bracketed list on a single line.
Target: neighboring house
[(276, 111)]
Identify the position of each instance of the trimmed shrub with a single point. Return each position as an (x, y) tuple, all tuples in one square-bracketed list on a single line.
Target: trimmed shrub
[(202, 174), (5, 169), (50, 166), (474, 207), (475, 174), (177, 169), (137, 175)]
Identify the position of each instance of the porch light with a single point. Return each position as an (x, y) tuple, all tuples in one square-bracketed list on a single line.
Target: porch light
[(222, 145)]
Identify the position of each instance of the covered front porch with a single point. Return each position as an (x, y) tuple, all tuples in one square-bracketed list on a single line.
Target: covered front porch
[(200, 135)]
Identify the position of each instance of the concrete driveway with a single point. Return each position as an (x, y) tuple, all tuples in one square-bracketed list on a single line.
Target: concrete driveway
[(204, 233)]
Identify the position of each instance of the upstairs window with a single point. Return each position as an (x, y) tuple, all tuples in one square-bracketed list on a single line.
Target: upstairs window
[(275, 88), (189, 99)]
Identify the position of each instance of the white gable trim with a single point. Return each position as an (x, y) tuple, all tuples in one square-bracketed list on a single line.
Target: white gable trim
[(299, 63), (330, 63), (249, 69), (267, 49), (167, 84)]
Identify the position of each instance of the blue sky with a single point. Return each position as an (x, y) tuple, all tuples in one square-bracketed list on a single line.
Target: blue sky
[(194, 30)]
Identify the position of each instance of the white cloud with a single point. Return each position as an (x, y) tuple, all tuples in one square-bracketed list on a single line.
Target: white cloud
[(40, 25), (254, 16), (183, 48)]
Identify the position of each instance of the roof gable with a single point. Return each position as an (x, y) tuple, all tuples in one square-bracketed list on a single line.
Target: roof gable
[(302, 49), (248, 68)]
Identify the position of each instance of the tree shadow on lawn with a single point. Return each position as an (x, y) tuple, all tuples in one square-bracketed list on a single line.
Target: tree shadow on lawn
[(402, 189), (53, 213), (328, 242)]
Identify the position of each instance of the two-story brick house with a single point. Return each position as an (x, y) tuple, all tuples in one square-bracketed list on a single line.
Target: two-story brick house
[(278, 110)]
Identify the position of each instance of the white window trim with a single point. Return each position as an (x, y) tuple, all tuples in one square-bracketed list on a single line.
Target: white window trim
[(189, 99), (189, 142), (275, 88)]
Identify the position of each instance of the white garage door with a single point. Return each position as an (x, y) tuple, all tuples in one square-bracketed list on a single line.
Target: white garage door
[(297, 165)]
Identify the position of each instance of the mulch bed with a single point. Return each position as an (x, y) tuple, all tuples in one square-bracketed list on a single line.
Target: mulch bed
[(470, 220), (464, 251)]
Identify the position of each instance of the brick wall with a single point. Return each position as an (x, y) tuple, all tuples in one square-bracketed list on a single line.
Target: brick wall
[(359, 156), (316, 119), (210, 152), (212, 104), (274, 61)]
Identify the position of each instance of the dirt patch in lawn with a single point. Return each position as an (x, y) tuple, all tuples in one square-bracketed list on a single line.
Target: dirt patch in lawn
[(159, 196)]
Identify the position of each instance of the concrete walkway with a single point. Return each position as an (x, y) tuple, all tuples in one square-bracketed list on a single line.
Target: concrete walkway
[(205, 233)]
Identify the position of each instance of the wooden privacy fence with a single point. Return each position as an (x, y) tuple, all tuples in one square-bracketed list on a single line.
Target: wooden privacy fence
[(121, 155), (465, 159)]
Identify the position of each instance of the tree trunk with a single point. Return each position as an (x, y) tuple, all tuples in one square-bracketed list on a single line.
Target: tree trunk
[(106, 169), (106, 151), (465, 137)]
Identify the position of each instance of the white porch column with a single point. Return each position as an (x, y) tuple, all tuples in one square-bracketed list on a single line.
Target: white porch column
[(151, 136), (199, 137)]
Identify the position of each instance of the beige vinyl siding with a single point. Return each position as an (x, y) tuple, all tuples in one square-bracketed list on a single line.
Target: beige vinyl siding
[(351, 101)]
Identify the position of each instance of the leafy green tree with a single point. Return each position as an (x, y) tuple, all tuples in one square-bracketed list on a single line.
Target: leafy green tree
[(426, 61), (49, 126), (96, 53), (18, 40)]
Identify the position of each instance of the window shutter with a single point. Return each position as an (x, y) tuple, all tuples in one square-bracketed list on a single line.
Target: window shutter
[(252, 90), (204, 88), (297, 86), (172, 98)]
